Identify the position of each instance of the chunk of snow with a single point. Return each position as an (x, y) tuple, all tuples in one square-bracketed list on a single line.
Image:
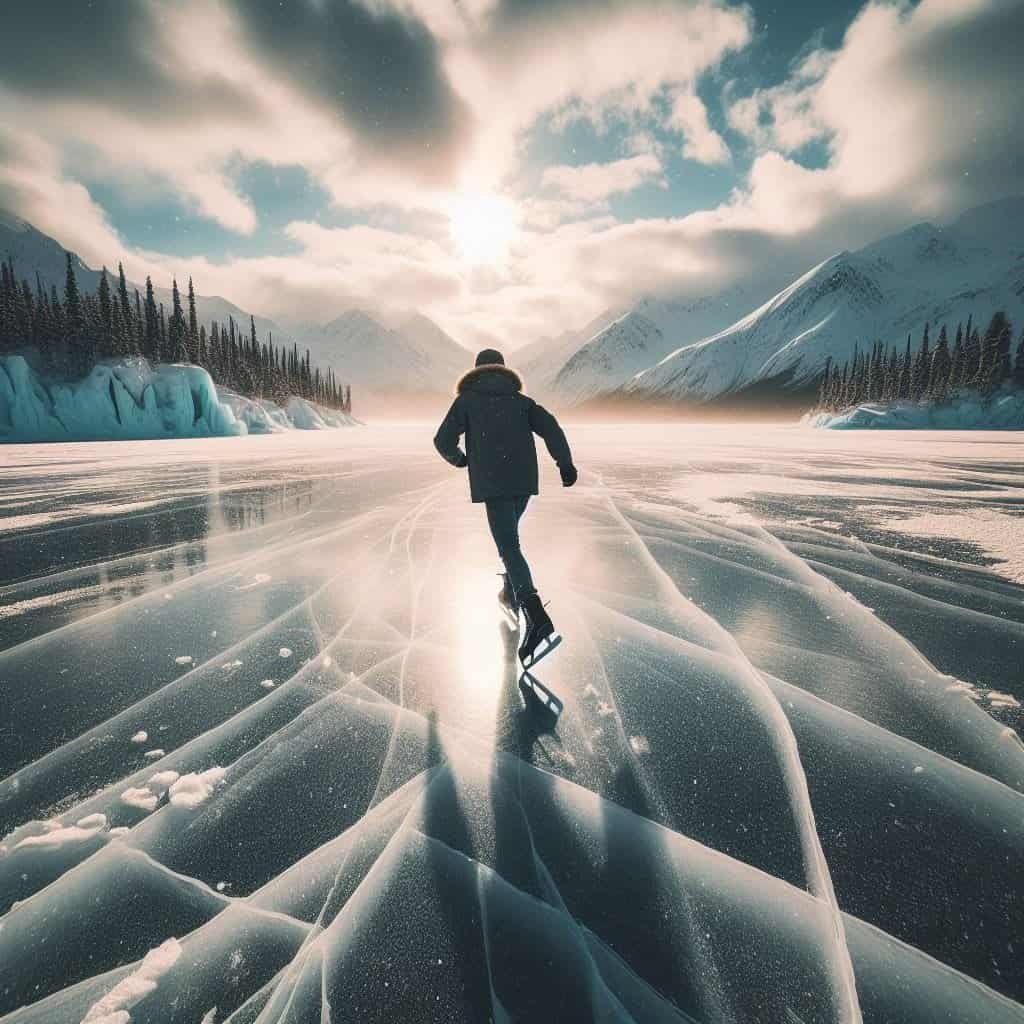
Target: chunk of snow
[(918, 769), (183, 659), (51, 840), (285, 652), (121, 830), (1003, 698), (230, 666), (137, 985), (192, 789), (154, 755), (268, 684), (162, 780), (92, 821), (143, 799), (140, 737), (639, 744)]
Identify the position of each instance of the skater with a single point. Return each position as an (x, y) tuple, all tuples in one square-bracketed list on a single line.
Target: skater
[(499, 422)]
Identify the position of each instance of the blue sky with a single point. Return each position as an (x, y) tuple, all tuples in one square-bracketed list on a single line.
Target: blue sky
[(509, 167)]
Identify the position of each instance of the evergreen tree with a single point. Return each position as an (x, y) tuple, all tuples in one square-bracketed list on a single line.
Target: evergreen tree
[(921, 370), (151, 346), (956, 365), (193, 325), (106, 346), (1018, 364), (139, 328), (177, 330), (972, 358), (162, 344), (995, 354), (77, 361), (906, 374), (823, 384), (938, 383)]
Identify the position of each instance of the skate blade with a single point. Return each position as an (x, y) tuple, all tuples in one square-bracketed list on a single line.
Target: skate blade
[(545, 647), (534, 690)]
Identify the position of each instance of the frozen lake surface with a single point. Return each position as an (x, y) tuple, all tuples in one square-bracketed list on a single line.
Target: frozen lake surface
[(263, 755)]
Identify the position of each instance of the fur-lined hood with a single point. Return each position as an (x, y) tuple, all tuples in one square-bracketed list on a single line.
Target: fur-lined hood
[(490, 379)]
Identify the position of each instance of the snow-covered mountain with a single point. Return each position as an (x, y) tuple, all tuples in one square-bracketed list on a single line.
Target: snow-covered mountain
[(541, 361), (406, 352), (640, 337), (34, 252), (973, 266), (415, 355)]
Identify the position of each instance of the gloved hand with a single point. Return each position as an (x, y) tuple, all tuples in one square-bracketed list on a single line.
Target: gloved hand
[(569, 475)]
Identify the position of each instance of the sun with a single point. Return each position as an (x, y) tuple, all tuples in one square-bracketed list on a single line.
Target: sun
[(483, 227)]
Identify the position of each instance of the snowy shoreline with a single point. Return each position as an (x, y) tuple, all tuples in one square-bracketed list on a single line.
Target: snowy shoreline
[(1001, 412), (127, 399)]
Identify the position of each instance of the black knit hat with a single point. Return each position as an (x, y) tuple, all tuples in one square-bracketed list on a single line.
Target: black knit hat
[(490, 357)]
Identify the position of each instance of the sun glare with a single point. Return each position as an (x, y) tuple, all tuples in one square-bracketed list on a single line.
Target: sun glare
[(483, 228)]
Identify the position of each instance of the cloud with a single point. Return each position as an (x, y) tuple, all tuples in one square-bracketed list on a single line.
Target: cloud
[(33, 186), (917, 106), (593, 182), (393, 104), (378, 70)]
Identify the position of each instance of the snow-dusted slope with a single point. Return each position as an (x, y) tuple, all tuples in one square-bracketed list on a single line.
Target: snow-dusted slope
[(613, 347), (373, 357), (36, 253), (540, 361), (651, 329), (614, 355), (884, 291)]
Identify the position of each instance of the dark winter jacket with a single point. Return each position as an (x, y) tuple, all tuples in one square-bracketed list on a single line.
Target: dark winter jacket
[(499, 422)]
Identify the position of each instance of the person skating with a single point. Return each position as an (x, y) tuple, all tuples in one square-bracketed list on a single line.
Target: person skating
[(499, 422)]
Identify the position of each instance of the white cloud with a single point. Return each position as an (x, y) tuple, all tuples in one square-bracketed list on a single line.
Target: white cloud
[(700, 141), (593, 182), (916, 109)]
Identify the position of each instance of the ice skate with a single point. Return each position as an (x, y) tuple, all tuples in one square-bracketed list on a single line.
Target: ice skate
[(540, 639)]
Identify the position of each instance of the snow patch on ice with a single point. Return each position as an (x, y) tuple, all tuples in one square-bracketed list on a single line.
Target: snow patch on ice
[(183, 659), (53, 839), (140, 737), (194, 788), (139, 797), (136, 986), (996, 533), (639, 745), (162, 781), (154, 755), (285, 652)]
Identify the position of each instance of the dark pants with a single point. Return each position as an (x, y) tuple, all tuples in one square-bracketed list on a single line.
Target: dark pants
[(503, 515)]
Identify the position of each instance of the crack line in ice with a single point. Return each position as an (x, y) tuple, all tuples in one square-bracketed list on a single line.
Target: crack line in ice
[(845, 989)]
